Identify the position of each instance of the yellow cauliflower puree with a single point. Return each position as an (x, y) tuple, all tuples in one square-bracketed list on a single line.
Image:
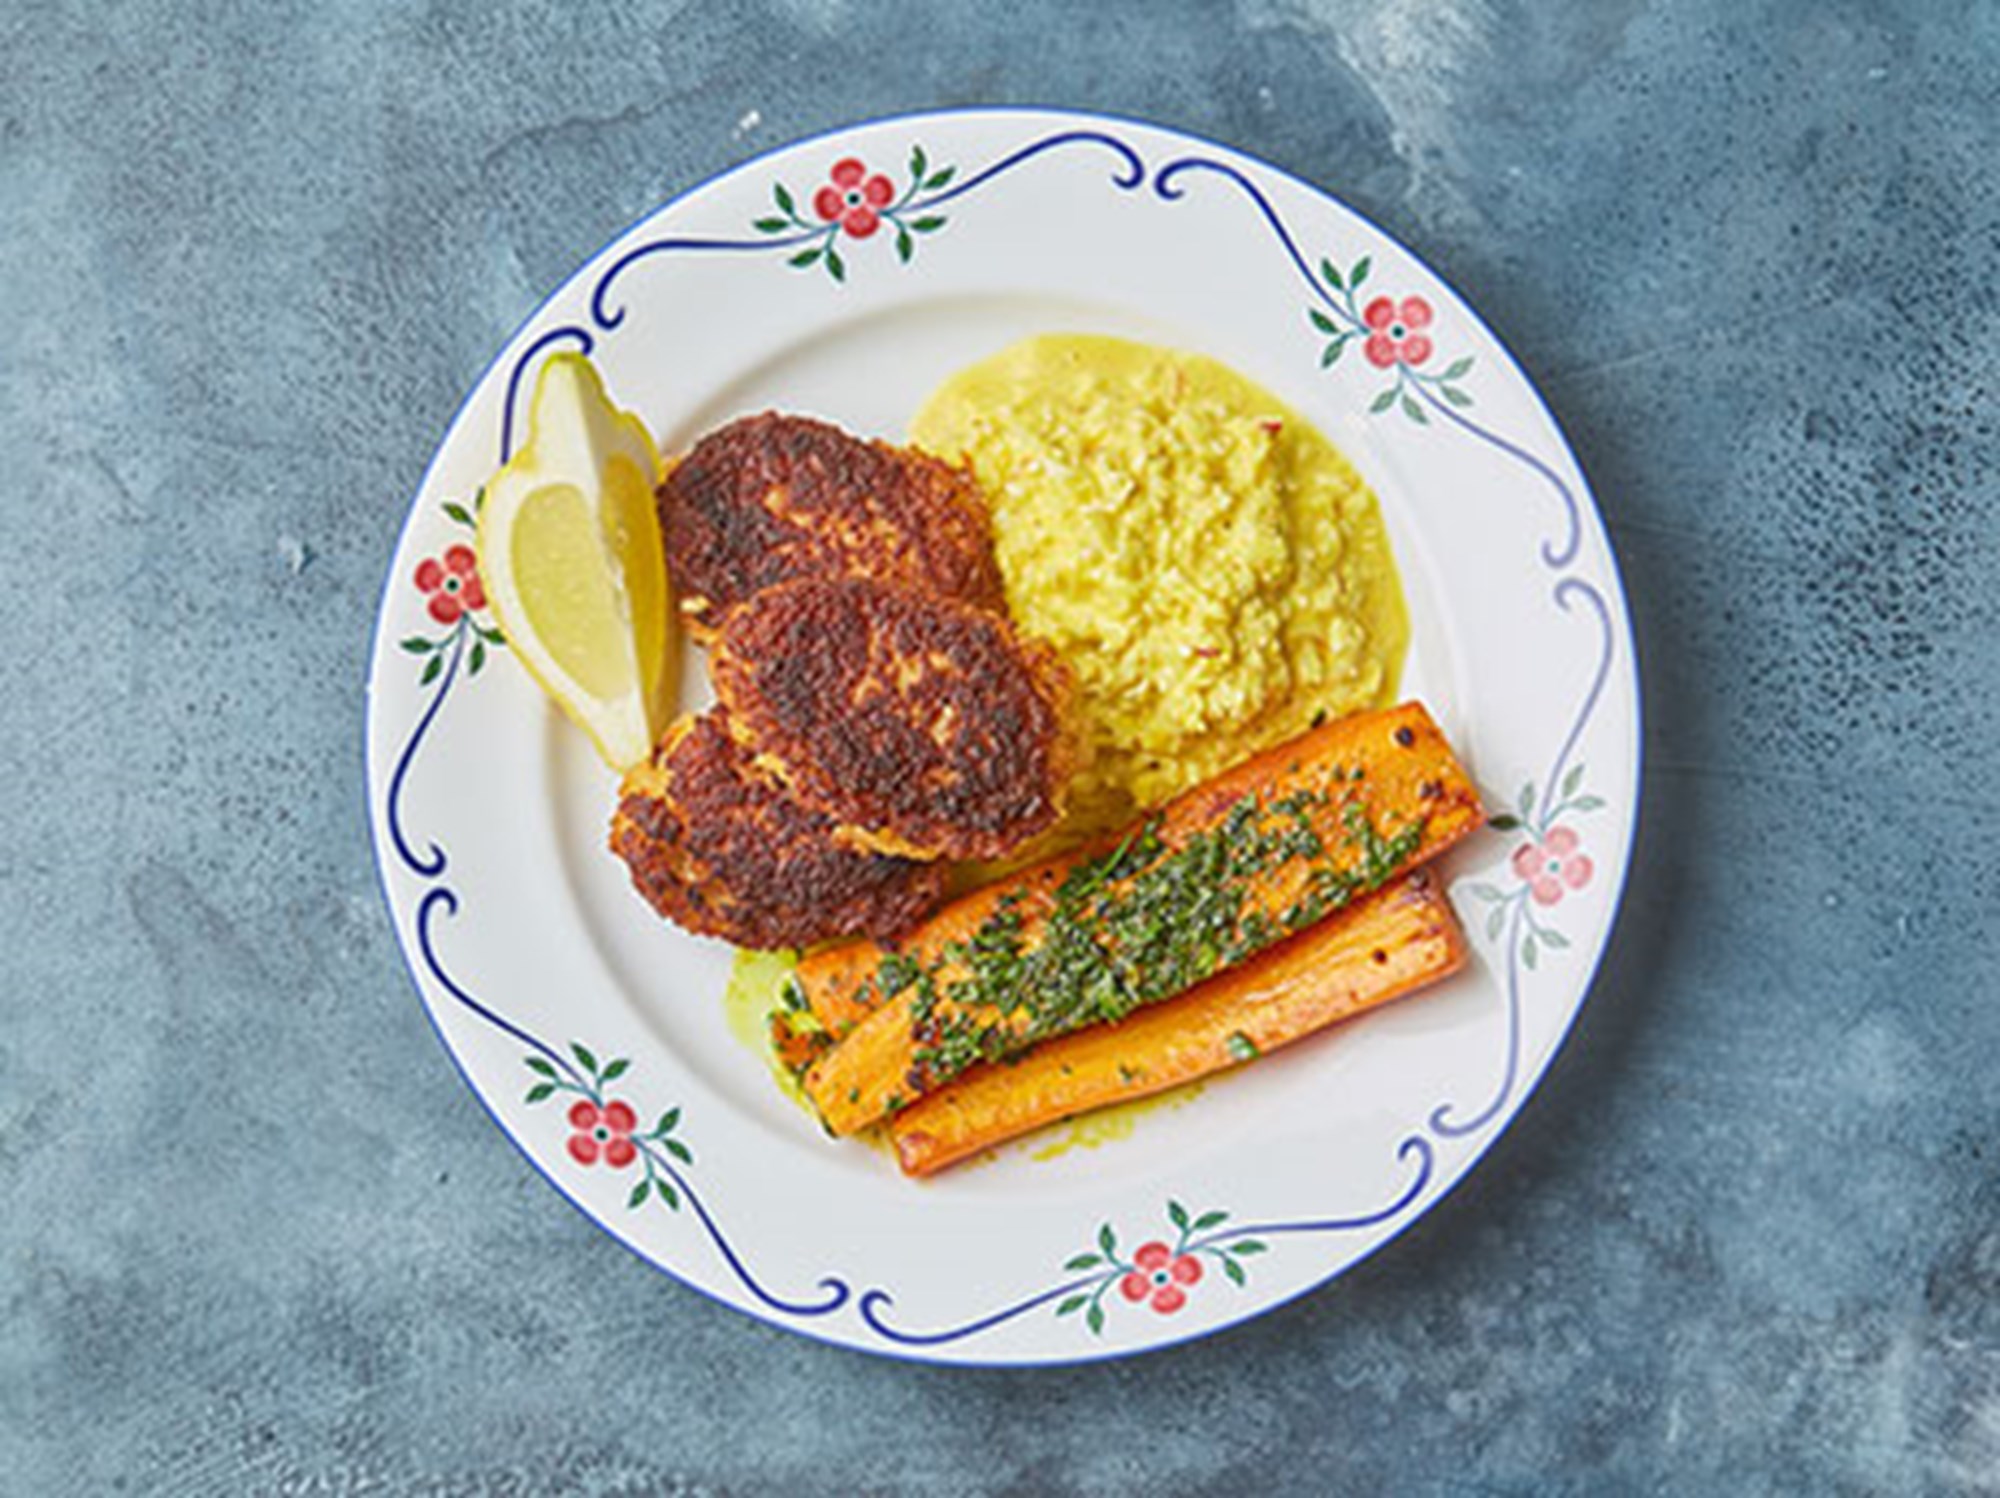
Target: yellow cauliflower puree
[(1212, 569)]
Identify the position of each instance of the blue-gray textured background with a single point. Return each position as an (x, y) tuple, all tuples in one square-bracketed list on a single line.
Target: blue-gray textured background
[(254, 1236)]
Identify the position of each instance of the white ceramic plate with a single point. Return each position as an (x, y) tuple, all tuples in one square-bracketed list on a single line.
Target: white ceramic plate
[(581, 1020)]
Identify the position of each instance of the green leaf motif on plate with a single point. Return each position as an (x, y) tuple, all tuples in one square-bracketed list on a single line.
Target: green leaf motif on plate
[(855, 204), (603, 1128), (1158, 1274), (1550, 863)]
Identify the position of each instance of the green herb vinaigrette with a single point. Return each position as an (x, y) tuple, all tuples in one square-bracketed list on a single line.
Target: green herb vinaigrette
[(1108, 1125), (1140, 923), (759, 983)]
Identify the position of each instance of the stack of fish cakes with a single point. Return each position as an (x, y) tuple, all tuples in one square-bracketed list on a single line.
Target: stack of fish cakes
[(878, 716)]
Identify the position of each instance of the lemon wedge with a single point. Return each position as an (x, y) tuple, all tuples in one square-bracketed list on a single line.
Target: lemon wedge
[(570, 553)]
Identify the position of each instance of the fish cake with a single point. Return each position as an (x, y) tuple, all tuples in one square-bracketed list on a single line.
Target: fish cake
[(924, 726), (774, 497), (724, 851)]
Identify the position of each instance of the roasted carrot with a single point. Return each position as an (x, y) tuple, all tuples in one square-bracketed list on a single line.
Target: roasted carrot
[(1378, 949), (841, 982), (1221, 873)]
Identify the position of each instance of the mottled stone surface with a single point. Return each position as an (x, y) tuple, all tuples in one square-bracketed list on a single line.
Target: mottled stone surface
[(255, 1237)]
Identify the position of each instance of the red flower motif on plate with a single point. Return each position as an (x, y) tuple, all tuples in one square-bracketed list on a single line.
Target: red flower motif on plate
[(1395, 331), (452, 583), (602, 1133), (1160, 1276), (1552, 865), (854, 197)]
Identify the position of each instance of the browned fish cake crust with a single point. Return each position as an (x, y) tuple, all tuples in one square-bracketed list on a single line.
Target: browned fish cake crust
[(723, 851), (773, 497), (924, 726)]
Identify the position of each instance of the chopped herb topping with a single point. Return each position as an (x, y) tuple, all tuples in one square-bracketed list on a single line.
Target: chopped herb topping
[(1141, 923), (896, 973), (796, 1036), (1242, 1047)]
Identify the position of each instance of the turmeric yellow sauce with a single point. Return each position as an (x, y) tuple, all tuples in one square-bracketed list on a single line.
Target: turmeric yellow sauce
[(1212, 569)]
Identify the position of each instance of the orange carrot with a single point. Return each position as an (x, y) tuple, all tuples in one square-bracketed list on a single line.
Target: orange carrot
[(1384, 946), (1221, 873)]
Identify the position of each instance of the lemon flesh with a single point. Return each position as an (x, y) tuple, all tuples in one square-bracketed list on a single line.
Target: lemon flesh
[(570, 550)]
